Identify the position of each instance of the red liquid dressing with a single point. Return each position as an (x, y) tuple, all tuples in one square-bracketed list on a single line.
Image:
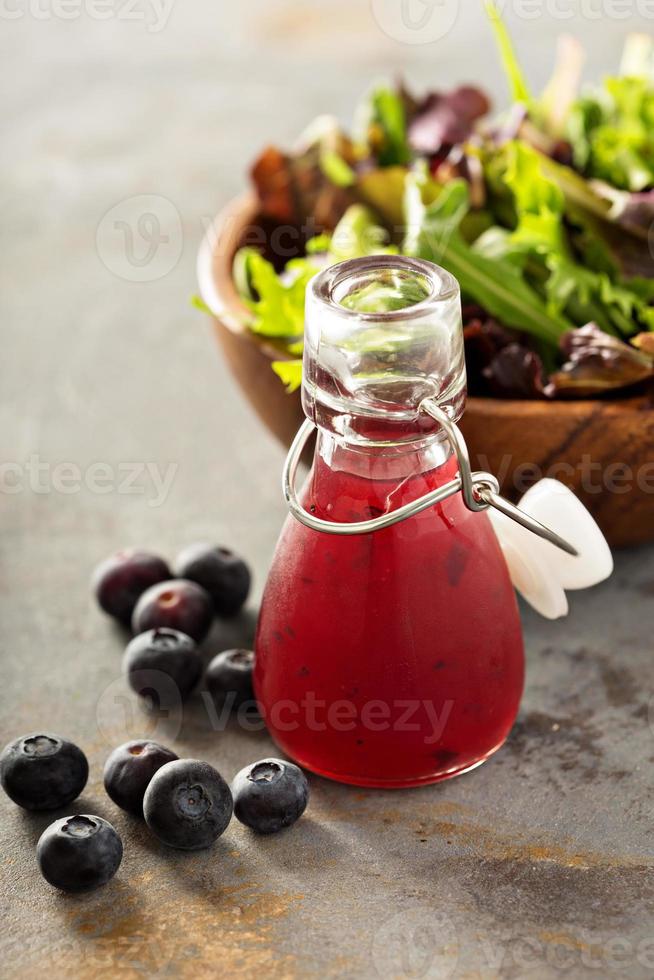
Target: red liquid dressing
[(393, 658)]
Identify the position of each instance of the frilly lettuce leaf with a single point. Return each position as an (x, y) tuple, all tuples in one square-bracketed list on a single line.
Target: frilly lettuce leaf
[(290, 373)]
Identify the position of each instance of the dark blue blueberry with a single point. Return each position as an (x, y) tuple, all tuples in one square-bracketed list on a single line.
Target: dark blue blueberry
[(177, 604), (270, 795), (42, 771), (129, 769), (188, 804), (79, 853), (229, 677), (120, 581), (223, 574), (162, 651)]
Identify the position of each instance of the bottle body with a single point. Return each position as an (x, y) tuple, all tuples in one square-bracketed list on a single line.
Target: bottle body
[(393, 658)]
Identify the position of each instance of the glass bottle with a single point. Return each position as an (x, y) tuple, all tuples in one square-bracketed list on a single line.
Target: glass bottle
[(391, 658)]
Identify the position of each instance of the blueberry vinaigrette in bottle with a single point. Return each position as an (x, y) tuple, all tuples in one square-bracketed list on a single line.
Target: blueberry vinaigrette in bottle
[(391, 658)]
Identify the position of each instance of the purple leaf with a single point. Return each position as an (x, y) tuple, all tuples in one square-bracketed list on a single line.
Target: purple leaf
[(516, 372), (597, 364), (444, 120)]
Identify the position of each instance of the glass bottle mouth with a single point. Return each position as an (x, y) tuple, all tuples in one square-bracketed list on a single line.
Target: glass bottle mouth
[(413, 284), (382, 333)]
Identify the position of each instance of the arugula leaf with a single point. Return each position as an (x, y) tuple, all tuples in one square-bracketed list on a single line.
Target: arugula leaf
[(496, 284), (517, 82), (385, 118), (585, 295)]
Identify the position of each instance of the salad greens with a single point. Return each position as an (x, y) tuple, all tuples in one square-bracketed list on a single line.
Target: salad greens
[(612, 133), (542, 215), (494, 283)]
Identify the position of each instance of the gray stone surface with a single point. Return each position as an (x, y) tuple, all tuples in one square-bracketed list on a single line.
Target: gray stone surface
[(540, 863)]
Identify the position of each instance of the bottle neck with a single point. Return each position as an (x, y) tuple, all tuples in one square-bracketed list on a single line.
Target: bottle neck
[(379, 461), (352, 482)]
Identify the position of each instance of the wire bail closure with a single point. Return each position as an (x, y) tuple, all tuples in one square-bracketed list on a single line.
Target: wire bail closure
[(479, 490)]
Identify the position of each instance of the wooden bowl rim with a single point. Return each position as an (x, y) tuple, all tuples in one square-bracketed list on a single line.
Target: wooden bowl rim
[(217, 290)]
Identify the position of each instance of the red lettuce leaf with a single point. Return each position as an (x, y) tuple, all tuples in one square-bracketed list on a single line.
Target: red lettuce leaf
[(445, 120), (598, 364), (293, 190), (498, 363), (515, 372)]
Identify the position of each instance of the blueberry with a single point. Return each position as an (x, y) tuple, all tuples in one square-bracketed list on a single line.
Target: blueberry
[(270, 795), (188, 804), (229, 675), (119, 581), (180, 605), (129, 769), (43, 771), (223, 574), (79, 853), (162, 651)]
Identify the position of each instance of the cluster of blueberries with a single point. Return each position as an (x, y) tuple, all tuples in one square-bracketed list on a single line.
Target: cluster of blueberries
[(186, 803)]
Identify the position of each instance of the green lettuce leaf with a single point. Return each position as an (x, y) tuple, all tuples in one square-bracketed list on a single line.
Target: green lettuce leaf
[(336, 168), (278, 310), (612, 133), (358, 234), (276, 301), (290, 372)]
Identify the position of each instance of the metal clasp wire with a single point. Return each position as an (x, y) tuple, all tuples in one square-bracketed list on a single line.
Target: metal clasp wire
[(479, 490)]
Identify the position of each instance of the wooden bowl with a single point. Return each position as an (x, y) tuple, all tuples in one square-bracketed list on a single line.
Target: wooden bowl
[(603, 450)]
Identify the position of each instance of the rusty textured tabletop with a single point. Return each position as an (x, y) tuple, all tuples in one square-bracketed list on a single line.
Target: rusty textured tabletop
[(120, 424)]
